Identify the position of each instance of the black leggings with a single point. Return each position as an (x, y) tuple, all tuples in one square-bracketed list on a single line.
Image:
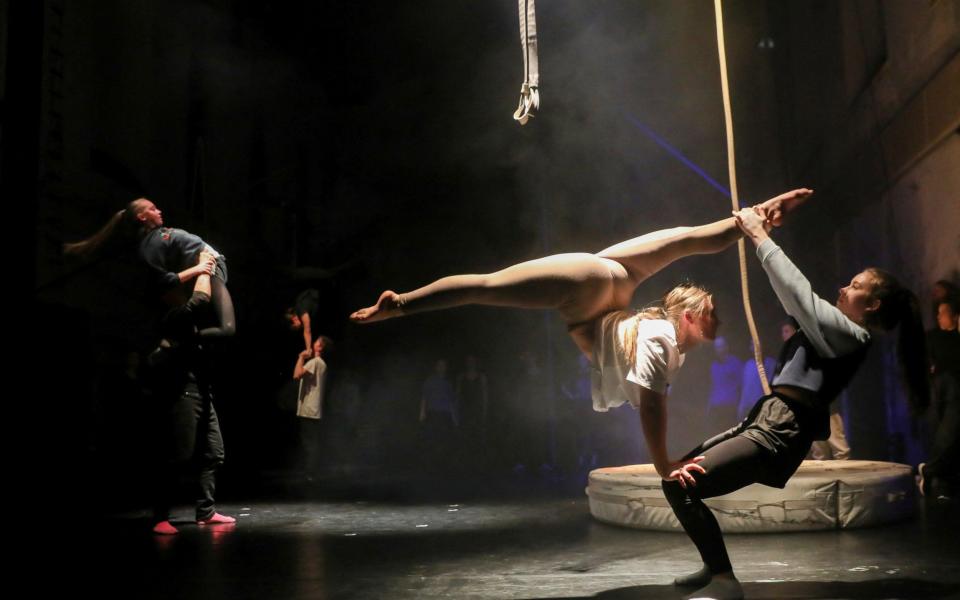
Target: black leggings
[(730, 465), (223, 311)]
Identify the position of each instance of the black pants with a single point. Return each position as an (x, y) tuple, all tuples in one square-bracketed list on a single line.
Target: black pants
[(191, 440), (945, 429), (733, 461), (309, 431)]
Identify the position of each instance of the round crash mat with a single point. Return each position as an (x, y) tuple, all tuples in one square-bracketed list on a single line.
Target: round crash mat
[(827, 494)]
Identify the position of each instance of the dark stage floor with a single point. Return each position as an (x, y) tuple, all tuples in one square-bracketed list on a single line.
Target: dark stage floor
[(516, 541)]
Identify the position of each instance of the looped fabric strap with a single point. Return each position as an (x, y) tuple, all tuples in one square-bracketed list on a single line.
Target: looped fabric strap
[(530, 92)]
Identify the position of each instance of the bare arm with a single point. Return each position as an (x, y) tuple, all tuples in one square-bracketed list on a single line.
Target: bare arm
[(204, 266), (298, 370), (653, 421), (830, 332), (203, 285), (307, 332)]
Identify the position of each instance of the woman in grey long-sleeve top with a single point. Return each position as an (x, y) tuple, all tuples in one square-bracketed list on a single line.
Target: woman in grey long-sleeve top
[(814, 366), (171, 254)]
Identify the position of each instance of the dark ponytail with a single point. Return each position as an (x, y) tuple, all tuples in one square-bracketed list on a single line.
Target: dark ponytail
[(900, 307), (123, 227)]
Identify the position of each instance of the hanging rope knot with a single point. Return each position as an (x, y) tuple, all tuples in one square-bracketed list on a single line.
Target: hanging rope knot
[(529, 103)]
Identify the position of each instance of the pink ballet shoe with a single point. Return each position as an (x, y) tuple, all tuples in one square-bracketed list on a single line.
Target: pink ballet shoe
[(216, 519), (165, 528)]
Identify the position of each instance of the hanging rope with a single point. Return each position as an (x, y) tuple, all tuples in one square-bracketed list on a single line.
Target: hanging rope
[(732, 168), (530, 92)]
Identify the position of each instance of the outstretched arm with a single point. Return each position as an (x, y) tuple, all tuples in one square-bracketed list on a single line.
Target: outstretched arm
[(307, 332), (827, 328)]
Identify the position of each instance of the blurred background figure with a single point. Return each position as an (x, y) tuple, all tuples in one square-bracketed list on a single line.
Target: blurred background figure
[(726, 372), (750, 386), (311, 372), (473, 404), (940, 475)]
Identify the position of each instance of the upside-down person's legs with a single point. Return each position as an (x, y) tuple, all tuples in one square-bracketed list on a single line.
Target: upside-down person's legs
[(578, 284), (730, 465)]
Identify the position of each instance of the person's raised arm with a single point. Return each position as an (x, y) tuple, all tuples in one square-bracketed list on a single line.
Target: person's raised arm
[(828, 329)]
